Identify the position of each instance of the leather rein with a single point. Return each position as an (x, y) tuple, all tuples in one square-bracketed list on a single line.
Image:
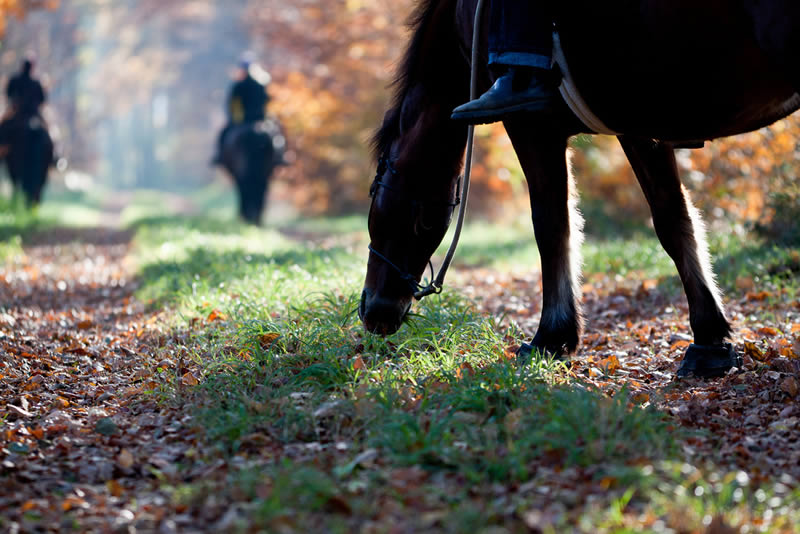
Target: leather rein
[(436, 285)]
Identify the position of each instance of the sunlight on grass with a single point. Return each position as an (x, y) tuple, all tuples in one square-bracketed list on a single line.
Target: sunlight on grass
[(267, 322)]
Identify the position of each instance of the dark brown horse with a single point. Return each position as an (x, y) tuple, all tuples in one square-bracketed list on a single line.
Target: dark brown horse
[(662, 72)]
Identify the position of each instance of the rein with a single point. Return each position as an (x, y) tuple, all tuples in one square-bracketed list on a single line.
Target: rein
[(436, 285)]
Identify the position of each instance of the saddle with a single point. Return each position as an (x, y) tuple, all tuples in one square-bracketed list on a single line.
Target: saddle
[(576, 103)]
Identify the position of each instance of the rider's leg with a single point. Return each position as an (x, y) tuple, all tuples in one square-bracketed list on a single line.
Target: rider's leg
[(217, 159), (520, 50)]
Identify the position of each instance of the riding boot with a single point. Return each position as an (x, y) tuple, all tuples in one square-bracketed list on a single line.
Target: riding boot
[(525, 89)]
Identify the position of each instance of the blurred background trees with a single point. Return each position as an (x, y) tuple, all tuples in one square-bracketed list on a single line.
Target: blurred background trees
[(137, 90)]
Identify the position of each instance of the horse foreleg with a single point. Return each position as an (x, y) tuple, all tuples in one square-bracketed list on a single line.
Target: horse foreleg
[(682, 234), (558, 229)]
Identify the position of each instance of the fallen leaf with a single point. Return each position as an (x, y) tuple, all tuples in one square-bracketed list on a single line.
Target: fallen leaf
[(745, 282), (789, 386), (358, 363), (609, 365), (125, 459), (767, 331), (753, 351), (266, 340), (114, 488), (188, 379), (216, 315)]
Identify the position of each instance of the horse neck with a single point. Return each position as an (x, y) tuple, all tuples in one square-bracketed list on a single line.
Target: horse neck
[(434, 147), (434, 79)]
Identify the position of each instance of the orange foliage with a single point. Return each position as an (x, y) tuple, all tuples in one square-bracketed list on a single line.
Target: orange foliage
[(331, 64), (18, 9)]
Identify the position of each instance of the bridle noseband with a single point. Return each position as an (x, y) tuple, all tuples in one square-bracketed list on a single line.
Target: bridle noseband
[(419, 290)]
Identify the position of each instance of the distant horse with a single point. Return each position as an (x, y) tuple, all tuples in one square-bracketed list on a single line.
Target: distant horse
[(250, 153), (664, 73), (28, 157)]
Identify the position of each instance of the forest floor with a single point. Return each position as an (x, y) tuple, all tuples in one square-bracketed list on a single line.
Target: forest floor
[(188, 376)]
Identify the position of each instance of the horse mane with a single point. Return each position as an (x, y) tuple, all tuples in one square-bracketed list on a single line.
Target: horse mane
[(423, 51)]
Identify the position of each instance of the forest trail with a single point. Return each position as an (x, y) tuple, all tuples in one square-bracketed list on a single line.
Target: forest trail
[(84, 446)]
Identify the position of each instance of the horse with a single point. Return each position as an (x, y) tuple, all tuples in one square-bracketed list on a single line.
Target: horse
[(250, 153), (29, 156), (661, 73)]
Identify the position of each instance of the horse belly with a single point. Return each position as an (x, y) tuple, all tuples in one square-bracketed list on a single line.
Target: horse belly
[(673, 69)]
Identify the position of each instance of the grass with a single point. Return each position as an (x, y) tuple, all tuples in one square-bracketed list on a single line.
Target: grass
[(59, 208), (324, 427), (440, 406)]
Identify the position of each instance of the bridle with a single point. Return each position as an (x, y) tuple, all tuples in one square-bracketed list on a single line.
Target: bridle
[(385, 164), (419, 290)]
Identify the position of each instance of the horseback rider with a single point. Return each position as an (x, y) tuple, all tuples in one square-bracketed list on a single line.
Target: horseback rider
[(25, 97), (247, 101), (520, 54)]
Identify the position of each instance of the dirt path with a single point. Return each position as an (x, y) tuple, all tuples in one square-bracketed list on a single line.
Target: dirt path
[(72, 354), (76, 350)]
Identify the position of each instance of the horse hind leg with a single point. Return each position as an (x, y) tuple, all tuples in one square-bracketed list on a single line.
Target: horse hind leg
[(558, 229), (680, 229)]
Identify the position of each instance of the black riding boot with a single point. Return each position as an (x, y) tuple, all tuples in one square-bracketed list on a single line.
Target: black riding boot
[(524, 89)]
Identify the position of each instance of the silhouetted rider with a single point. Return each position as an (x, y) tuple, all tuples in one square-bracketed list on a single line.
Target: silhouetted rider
[(247, 103), (25, 97), (25, 93)]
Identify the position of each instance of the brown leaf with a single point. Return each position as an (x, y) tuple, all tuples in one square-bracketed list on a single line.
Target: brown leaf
[(719, 526), (267, 340), (753, 351), (358, 363), (609, 365), (745, 283), (125, 459), (188, 379), (85, 325), (789, 386), (114, 488), (339, 505), (216, 315), (680, 345), (767, 331), (757, 296)]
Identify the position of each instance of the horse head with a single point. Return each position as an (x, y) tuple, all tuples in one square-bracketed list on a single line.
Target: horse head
[(414, 194)]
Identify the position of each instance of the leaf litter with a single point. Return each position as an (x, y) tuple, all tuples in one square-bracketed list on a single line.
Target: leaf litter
[(83, 443)]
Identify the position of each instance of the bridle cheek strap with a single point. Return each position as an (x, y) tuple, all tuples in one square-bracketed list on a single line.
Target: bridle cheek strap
[(436, 285), (418, 289)]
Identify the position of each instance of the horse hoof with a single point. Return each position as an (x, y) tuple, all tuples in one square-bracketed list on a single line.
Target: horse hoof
[(526, 350), (709, 361)]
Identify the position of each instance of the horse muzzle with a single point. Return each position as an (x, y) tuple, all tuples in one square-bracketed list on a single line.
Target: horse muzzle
[(381, 315)]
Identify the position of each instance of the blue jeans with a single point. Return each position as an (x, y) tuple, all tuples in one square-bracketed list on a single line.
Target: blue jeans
[(521, 33)]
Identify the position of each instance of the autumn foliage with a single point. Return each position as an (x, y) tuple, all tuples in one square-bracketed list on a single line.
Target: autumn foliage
[(332, 65), (18, 9)]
